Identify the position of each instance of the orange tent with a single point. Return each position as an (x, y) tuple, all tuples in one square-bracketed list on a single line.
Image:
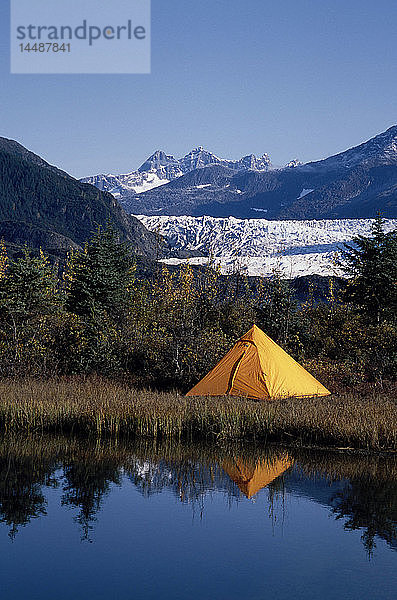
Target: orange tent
[(251, 477), (256, 367)]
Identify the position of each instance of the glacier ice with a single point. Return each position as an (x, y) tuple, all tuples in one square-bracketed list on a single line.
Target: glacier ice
[(259, 246)]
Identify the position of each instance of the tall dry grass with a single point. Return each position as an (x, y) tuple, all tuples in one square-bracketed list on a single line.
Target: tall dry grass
[(100, 407)]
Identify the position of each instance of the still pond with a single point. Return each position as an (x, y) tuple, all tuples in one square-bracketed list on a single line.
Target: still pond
[(127, 520)]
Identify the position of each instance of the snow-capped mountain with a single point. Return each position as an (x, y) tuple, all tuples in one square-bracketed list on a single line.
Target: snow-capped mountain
[(259, 246), (160, 168), (357, 183)]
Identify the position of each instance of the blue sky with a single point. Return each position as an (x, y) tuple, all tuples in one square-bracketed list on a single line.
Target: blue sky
[(294, 78)]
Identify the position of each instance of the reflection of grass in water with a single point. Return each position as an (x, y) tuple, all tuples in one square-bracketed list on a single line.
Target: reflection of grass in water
[(107, 408), (58, 450), (65, 448), (346, 465)]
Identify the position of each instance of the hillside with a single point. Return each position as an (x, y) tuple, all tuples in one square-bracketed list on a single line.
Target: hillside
[(43, 206)]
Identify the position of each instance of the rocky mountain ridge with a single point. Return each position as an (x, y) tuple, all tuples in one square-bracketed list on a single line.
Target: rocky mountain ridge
[(356, 183), (160, 168)]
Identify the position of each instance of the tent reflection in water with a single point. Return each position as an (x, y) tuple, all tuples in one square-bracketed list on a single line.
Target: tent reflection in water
[(251, 477), (256, 367)]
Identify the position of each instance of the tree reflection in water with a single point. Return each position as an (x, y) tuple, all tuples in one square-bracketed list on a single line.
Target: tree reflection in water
[(86, 471), (367, 497), (371, 506), (23, 477), (86, 484)]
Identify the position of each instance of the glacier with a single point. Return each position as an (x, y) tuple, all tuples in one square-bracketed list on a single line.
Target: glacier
[(259, 247)]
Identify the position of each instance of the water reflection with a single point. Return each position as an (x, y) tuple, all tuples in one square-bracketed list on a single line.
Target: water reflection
[(23, 477), (251, 476), (359, 491), (370, 506), (85, 484)]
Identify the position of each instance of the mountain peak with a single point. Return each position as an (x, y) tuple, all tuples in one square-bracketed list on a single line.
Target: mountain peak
[(200, 150), (158, 154), (293, 163), (157, 160)]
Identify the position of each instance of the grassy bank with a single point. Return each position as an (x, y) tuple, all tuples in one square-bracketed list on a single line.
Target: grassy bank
[(367, 420)]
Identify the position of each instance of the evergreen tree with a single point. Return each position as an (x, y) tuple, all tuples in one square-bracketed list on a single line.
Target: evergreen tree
[(371, 265), (30, 301), (29, 286), (275, 309), (100, 276)]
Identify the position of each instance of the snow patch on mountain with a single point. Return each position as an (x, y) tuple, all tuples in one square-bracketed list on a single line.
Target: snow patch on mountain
[(136, 182), (304, 193), (293, 163), (259, 246), (151, 181)]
